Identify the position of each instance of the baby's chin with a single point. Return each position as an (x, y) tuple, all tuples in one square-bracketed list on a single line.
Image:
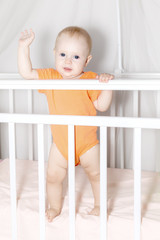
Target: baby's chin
[(71, 76)]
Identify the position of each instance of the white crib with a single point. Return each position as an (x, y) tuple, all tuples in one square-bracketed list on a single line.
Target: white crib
[(127, 82)]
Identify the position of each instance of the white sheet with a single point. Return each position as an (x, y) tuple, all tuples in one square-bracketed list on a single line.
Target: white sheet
[(120, 205)]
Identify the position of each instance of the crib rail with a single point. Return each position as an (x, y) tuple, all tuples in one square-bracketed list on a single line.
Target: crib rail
[(119, 83), (118, 122), (123, 81)]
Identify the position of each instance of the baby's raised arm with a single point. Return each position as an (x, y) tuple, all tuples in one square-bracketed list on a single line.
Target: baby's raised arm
[(24, 61)]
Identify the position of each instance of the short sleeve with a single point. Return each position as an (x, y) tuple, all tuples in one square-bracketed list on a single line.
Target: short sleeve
[(47, 73), (93, 94)]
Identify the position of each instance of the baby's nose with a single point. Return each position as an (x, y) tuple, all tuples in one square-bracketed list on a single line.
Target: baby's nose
[(68, 60)]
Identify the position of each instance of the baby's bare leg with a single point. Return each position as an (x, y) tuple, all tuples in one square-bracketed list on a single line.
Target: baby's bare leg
[(90, 161), (57, 168)]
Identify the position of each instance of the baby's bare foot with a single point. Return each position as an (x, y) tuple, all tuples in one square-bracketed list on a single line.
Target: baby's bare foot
[(95, 211), (51, 213)]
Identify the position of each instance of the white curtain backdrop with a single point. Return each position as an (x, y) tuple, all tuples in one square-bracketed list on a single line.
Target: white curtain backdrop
[(13, 15), (140, 52), (139, 26), (140, 35)]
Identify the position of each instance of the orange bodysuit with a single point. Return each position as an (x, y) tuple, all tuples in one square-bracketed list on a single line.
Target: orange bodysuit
[(71, 102)]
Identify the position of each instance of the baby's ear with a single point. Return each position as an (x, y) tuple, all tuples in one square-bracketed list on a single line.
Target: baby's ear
[(88, 60)]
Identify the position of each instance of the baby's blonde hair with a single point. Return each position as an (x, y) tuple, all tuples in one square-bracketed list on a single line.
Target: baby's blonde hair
[(79, 32)]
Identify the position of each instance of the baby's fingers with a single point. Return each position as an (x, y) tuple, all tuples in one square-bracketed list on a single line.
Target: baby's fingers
[(111, 77), (26, 32), (104, 77), (32, 33), (26, 37), (22, 35)]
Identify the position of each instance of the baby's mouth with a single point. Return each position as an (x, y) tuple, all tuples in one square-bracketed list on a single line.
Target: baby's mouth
[(67, 69)]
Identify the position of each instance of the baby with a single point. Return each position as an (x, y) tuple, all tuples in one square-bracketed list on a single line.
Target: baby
[(72, 54)]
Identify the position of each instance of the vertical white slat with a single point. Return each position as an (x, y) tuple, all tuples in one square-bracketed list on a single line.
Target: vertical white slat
[(30, 127), (71, 181), (158, 104), (0, 142), (158, 133), (11, 101), (137, 183), (12, 109), (137, 168), (112, 136), (121, 134), (13, 180), (41, 179), (103, 183), (49, 139), (135, 103)]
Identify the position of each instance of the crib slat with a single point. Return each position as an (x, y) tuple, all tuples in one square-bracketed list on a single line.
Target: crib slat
[(30, 141), (112, 136), (11, 101), (13, 180), (136, 103), (121, 135), (71, 181), (137, 183), (103, 183), (158, 132), (30, 127), (49, 139), (41, 177)]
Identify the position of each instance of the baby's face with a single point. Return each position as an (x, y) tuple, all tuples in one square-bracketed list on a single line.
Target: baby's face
[(71, 56)]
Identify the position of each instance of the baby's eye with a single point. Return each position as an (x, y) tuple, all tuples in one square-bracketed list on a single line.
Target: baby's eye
[(76, 56), (62, 54)]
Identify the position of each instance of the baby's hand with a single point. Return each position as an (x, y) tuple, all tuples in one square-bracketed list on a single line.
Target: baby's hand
[(104, 77), (26, 38)]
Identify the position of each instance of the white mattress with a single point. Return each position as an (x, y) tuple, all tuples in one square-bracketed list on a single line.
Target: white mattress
[(120, 206)]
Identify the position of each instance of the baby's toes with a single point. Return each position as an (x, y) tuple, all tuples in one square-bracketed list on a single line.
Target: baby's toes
[(95, 211)]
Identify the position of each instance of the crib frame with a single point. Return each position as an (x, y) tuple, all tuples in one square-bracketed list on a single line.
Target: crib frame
[(137, 124)]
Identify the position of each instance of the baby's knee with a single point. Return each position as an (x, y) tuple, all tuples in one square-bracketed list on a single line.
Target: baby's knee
[(51, 177), (55, 176), (94, 176)]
